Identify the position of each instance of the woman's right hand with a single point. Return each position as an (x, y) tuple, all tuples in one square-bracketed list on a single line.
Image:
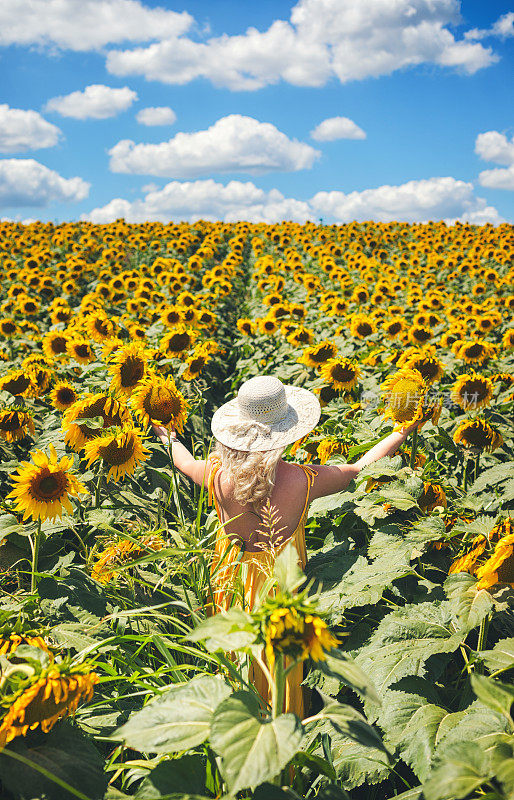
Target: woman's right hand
[(162, 432), (407, 429)]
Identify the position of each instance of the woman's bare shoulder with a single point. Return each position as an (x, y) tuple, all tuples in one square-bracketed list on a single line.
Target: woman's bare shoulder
[(331, 478)]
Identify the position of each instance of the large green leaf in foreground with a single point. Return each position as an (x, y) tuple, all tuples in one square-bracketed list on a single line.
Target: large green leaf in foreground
[(177, 720), (252, 750)]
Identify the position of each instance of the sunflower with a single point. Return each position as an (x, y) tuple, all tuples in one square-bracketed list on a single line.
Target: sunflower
[(499, 568), (136, 331), (419, 334), (362, 326), (63, 395), (42, 377), (42, 489), (508, 339), (119, 552), (121, 450), (190, 316), (80, 349), (298, 635), (477, 435), (326, 394), (8, 327), (300, 335), (393, 327), (406, 391), (9, 644), (318, 354), (28, 306), (504, 379), (15, 423), (472, 391), (211, 347), (158, 401), (195, 364), (419, 459), (432, 495), (113, 412), (206, 318), (430, 367), (100, 327), (129, 366), (55, 344), (19, 382), (340, 372), (374, 356), (298, 311), (466, 562), (279, 311), (329, 446), (245, 326), (61, 314), (504, 527), (267, 325), (474, 352), (485, 324), (293, 449), (171, 316), (175, 343), (449, 338), (47, 693)]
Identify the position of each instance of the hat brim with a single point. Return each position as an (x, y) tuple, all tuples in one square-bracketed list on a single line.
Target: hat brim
[(234, 430)]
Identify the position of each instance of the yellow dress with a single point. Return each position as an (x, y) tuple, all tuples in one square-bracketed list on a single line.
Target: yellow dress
[(231, 564)]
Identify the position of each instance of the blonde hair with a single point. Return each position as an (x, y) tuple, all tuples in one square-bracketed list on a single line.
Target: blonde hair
[(251, 473)]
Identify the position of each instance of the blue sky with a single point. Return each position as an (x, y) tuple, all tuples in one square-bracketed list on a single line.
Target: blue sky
[(418, 95)]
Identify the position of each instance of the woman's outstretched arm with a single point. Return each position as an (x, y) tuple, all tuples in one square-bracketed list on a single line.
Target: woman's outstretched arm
[(183, 460), (336, 477)]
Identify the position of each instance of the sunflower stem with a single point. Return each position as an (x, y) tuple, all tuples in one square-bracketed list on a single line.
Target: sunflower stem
[(482, 634), (465, 475), (477, 467), (414, 447), (176, 494), (277, 703), (98, 486), (35, 555)]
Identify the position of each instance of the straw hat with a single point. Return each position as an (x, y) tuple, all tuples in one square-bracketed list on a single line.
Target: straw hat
[(266, 415)]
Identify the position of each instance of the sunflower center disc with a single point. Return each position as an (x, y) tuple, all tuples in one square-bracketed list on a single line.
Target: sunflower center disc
[(131, 372), (49, 487)]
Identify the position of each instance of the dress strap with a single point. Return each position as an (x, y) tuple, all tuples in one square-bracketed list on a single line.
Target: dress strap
[(215, 465), (311, 474)]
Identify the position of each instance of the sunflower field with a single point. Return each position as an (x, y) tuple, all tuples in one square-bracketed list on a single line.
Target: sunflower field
[(116, 679)]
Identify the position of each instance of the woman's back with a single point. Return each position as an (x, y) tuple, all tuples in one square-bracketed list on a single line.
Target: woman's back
[(289, 497)]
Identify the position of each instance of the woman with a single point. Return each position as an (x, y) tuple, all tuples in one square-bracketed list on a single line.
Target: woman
[(248, 479)]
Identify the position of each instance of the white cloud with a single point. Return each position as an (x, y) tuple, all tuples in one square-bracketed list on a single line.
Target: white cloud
[(233, 144), (415, 201), (22, 130), (86, 24), (494, 146), (502, 28), (337, 128), (156, 115), (95, 102), (498, 178), (346, 39), (20, 219), (26, 182), (205, 199)]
